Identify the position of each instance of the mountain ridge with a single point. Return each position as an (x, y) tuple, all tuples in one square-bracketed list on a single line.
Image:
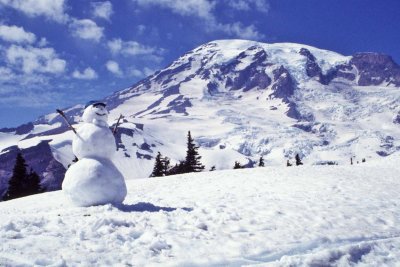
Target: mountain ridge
[(242, 100)]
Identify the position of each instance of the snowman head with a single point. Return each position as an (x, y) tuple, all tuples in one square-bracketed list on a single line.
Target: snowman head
[(95, 112)]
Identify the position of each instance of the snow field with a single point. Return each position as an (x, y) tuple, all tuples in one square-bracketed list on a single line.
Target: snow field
[(272, 216)]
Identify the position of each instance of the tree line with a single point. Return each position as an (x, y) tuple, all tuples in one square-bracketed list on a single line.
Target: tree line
[(191, 163)]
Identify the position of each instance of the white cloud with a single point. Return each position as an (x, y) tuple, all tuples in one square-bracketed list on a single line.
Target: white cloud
[(132, 48), (86, 29), (51, 9), (249, 5), (113, 67), (141, 29), (205, 10), (16, 34), (140, 73), (87, 74), (31, 59), (198, 8), (240, 31), (102, 9), (6, 74), (43, 42)]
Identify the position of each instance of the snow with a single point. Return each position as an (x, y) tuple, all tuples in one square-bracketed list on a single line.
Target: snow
[(94, 181), (272, 216), (92, 140), (286, 54)]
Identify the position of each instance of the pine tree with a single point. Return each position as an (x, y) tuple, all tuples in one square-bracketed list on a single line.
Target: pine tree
[(165, 165), (16, 182), (192, 160), (177, 169), (298, 160), (261, 162), (158, 169), (32, 184), (237, 165)]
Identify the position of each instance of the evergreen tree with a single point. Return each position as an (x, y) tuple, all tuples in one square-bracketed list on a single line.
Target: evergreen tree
[(165, 165), (237, 165), (192, 160), (298, 160), (261, 162), (158, 169), (32, 184), (177, 169), (288, 164), (16, 182)]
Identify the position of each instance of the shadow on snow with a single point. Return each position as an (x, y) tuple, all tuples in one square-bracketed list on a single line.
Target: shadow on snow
[(143, 206)]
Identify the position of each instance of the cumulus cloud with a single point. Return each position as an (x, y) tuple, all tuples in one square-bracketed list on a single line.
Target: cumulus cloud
[(248, 5), (16, 34), (87, 74), (86, 29), (6, 74), (35, 60), (113, 67), (43, 42), (205, 10), (102, 10), (198, 8), (140, 73), (51, 9), (132, 48), (239, 30)]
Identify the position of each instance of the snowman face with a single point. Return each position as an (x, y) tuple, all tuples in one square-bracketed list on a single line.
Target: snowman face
[(95, 113)]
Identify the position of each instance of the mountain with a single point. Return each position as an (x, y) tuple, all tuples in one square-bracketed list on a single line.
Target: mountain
[(271, 216), (241, 100)]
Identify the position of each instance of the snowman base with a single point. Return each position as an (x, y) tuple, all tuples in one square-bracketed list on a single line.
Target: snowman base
[(91, 182)]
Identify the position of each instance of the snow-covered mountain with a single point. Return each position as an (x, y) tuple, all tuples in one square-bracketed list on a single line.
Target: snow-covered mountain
[(240, 100), (272, 216)]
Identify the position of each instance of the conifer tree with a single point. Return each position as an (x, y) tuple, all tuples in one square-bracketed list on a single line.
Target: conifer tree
[(158, 169), (298, 160), (288, 164), (177, 169), (192, 160), (16, 182), (261, 162), (237, 165), (165, 165), (32, 184)]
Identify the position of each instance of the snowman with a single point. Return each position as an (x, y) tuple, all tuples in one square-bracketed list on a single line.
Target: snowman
[(94, 179)]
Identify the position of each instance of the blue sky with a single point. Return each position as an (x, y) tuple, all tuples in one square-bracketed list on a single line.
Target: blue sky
[(57, 53)]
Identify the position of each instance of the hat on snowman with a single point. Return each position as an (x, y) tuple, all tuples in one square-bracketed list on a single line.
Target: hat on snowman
[(95, 103)]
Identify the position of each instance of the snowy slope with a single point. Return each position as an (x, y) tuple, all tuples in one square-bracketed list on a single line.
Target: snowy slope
[(242, 100), (272, 216)]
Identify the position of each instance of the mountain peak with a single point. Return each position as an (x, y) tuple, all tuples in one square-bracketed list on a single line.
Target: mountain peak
[(242, 100)]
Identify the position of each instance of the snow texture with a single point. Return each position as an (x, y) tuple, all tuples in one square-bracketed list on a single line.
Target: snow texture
[(271, 216)]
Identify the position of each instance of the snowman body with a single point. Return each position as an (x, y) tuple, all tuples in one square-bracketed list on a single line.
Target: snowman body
[(94, 179)]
